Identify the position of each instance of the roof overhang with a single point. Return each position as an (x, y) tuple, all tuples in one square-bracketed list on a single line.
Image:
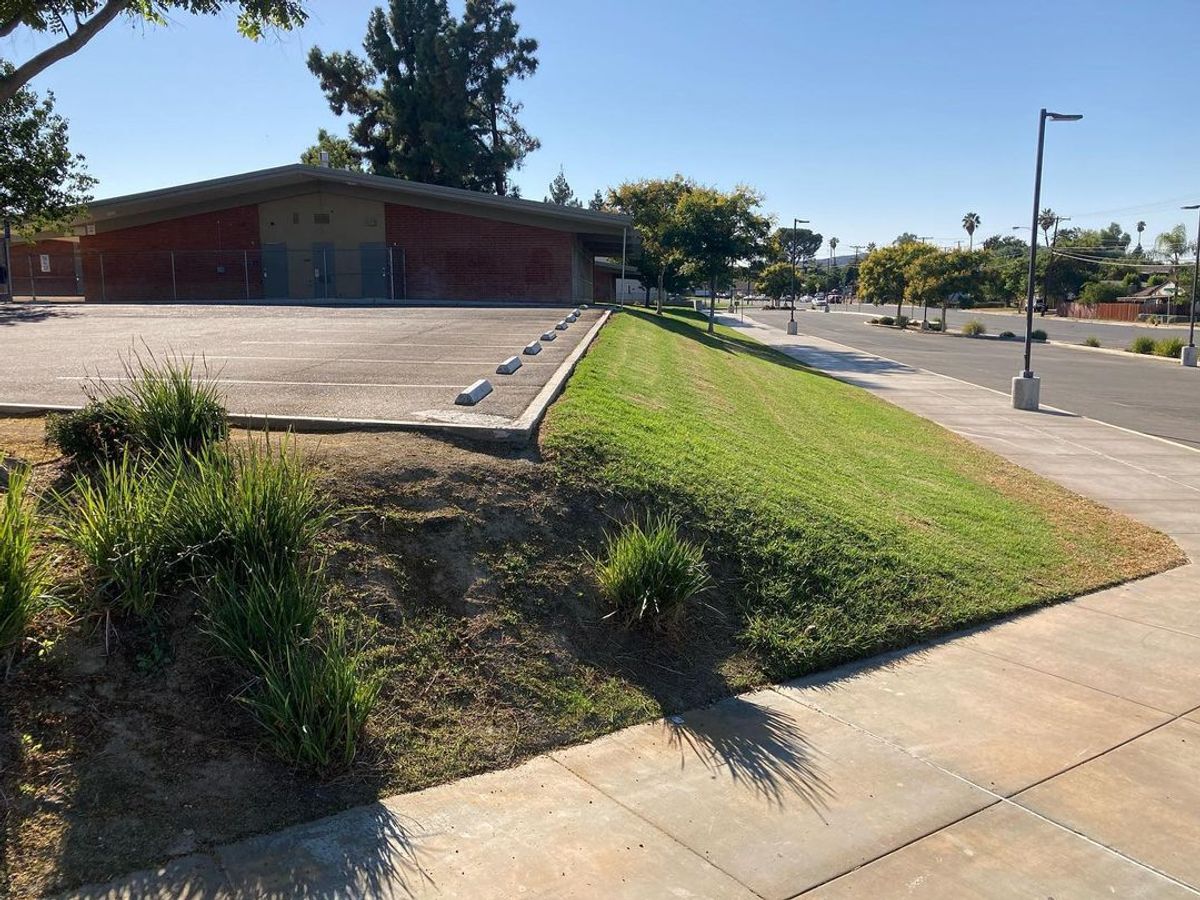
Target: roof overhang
[(599, 232)]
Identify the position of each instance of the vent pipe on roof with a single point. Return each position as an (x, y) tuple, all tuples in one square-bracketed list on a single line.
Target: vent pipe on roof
[(324, 159)]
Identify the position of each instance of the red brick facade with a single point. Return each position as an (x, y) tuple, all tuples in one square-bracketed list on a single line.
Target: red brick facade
[(447, 256), (208, 256), (44, 269)]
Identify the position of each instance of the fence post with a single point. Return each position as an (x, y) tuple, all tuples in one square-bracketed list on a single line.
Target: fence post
[(246, 270), (403, 274), (325, 273), (174, 286), (103, 284), (32, 283), (391, 275)]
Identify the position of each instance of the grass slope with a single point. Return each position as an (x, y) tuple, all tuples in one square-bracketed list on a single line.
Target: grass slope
[(851, 525)]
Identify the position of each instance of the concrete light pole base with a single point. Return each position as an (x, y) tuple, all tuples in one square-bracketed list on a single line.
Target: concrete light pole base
[(1188, 357), (1026, 392), (792, 328)]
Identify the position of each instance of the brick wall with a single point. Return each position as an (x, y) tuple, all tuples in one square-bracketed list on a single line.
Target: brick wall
[(215, 255), (447, 256)]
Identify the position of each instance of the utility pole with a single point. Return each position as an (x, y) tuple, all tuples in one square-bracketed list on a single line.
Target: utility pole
[(11, 294), (1188, 356), (793, 252)]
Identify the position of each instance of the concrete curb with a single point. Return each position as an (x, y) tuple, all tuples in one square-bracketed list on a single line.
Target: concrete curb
[(529, 420)]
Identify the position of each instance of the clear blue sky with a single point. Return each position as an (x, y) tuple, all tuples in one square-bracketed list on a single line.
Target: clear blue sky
[(868, 118)]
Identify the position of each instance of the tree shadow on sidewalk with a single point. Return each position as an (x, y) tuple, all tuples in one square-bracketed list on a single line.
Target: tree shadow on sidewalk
[(755, 746)]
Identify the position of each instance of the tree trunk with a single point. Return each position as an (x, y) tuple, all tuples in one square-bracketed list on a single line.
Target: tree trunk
[(712, 303), (661, 280)]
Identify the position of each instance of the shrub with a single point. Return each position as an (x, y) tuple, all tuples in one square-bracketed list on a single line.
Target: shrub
[(902, 321), (974, 327), (257, 616), (1007, 335), (1091, 342), (1101, 292), (154, 406), (1143, 344), (1038, 334), (118, 522), (24, 578), (886, 320), (313, 701), (255, 506), (101, 430), (1171, 347), (649, 573), (935, 326), (874, 320)]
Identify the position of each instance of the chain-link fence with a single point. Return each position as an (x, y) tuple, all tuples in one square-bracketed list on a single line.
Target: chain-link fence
[(320, 273)]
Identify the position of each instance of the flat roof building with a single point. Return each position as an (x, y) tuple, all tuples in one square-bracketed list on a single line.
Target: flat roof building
[(309, 233)]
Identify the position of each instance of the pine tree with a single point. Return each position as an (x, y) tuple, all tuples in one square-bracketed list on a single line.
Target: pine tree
[(430, 97), (597, 201), (561, 193)]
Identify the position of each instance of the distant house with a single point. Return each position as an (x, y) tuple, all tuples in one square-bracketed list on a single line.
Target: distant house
[(1156, 300)]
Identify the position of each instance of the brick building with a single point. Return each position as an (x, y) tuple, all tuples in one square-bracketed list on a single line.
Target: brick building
[(301, 232)]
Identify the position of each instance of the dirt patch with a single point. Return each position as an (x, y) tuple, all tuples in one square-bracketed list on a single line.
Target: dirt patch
[(463, 567)]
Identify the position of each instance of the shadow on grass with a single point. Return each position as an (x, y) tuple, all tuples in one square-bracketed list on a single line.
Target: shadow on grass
[(834, 364), (755, 746)]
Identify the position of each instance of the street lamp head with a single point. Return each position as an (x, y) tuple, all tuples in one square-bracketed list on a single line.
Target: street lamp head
[(1063, 117), (1193, 206)]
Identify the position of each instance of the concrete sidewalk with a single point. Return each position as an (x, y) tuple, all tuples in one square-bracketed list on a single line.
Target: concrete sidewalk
[(1053, 755)]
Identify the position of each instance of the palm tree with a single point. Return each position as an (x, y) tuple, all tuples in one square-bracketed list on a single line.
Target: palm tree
[(971, 221), (1046, 219), (833, 242), (1141, 226), (1173, 243)]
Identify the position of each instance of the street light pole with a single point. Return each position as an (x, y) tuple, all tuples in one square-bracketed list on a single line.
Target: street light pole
[(791, 328), (1188, 355), (1026, 387)]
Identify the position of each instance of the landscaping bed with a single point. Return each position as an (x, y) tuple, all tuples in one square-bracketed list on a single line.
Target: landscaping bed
[(833, 524)]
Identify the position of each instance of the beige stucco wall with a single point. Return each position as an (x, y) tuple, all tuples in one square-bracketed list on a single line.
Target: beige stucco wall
[(353, 221)]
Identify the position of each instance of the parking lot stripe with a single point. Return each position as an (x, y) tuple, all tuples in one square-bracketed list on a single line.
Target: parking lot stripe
[(369, 384), (350, 359), (366, 343)]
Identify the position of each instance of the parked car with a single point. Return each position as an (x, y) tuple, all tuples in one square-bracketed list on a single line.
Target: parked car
[(820, 302)]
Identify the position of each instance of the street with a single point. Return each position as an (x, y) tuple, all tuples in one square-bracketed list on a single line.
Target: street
[(1147, 395)]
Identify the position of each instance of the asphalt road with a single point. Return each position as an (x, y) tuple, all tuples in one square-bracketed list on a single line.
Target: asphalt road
[(1153, 396), (1116, 336), (344, 362)]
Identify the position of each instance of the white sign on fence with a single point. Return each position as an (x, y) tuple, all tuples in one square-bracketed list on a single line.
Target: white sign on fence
[(45, 261)]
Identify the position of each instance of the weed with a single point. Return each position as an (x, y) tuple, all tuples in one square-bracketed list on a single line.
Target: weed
[(974, 328), (1143, 344), (1169, 347), (1091, 342)]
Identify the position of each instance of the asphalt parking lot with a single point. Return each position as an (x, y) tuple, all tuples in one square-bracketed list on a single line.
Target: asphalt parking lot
[(402, 364)]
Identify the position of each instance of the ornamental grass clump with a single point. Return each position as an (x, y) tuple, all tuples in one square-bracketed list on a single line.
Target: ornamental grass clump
[(24, 576), (118, 519), (313, 700), (648, 574), (1143, 344), (973, 328), (257, 616), (1169, 347)]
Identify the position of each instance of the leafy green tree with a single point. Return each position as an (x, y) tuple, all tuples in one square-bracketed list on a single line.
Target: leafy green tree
[(883, 273), (1101, 292), (795, 245), (906, 237), (42, 183), (970, 222), (342, 154), (775, 280), (940, 275), (73, 23), (712, 230), (430, 96), (561, 193), (653, 205)]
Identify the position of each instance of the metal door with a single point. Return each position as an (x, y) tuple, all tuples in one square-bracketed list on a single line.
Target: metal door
[(324, 280), (375, 274), (275, 271)]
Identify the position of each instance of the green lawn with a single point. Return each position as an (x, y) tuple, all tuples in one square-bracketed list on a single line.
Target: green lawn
[(847, 526)]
